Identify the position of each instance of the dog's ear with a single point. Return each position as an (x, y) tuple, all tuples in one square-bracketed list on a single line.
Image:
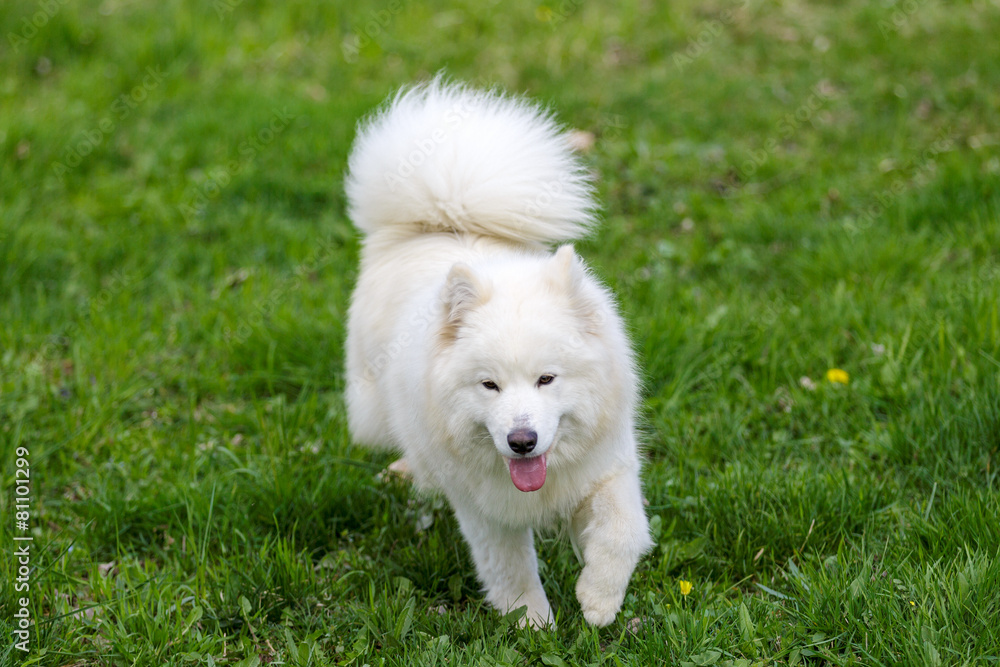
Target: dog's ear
[(463, 291), (568, 274), (567, 267)]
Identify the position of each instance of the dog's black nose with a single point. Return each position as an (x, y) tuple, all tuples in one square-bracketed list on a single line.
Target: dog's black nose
[(522, 440)]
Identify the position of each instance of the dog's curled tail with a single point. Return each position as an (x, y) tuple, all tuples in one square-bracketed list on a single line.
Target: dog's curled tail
[(444, 157)]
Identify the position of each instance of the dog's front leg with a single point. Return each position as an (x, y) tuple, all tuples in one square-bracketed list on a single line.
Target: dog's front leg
[(507, 567), (610, 530)]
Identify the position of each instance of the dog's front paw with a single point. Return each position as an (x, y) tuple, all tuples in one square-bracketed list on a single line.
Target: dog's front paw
[(600, 617), (599, 599), (537, 614), (537, 620)]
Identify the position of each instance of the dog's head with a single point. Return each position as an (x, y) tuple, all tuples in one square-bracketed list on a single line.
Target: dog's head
[(530, 352)]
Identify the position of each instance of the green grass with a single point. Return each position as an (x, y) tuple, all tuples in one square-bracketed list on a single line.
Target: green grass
[(789, 188)]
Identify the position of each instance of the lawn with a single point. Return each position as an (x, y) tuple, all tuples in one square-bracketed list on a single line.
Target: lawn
[(802, 223)]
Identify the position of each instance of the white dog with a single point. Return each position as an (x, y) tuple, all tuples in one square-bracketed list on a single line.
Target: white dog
[(501, 371)]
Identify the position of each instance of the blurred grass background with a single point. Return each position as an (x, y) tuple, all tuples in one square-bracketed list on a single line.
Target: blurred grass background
[(789, 187)]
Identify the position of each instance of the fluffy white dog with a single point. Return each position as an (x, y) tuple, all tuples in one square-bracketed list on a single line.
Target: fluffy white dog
[(501, 371)]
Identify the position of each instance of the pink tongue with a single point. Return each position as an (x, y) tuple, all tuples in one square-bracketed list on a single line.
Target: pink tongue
[(528, 474)]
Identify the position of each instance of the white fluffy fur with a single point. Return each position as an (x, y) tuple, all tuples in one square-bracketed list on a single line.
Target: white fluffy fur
[(456, 289), (444, 157)]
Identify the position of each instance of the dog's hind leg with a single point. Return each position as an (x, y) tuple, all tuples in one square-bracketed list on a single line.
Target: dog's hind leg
[(400, 468), (507, 567)]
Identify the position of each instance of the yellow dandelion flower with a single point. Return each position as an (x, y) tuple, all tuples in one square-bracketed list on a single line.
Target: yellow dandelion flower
[(837, 376), (685, 587)]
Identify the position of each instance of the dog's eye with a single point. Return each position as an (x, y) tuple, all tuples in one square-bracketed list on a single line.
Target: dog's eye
[(546, 379), (491, 385)]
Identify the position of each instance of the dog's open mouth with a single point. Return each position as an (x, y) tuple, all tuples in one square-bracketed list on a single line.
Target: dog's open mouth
[(528, 474)]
